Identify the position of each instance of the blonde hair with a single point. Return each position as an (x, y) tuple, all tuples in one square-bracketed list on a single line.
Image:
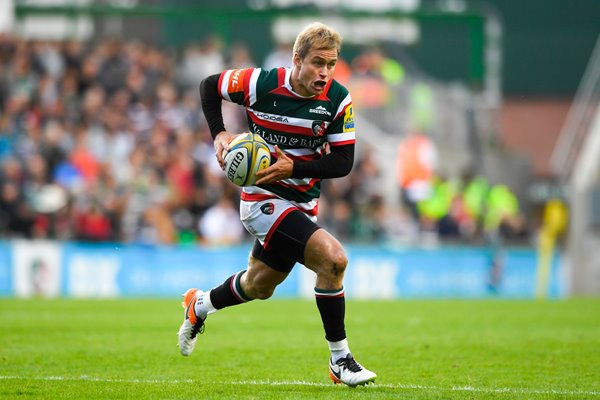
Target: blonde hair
[(317, 36)]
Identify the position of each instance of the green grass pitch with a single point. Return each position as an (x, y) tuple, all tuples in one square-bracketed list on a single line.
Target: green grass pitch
[(420, 349)]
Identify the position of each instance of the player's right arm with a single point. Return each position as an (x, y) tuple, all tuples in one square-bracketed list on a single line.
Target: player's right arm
[(237, 86), (211, 106)]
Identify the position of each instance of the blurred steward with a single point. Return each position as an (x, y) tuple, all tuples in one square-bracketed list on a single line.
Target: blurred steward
[(502, 213), (416, 163)]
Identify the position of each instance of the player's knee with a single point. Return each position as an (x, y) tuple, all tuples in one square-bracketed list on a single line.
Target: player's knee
[(336, 263), (256, 288), (263, 293)]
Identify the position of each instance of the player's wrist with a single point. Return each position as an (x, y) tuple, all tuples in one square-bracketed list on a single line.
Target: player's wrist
[(220, 134), (297, 169)]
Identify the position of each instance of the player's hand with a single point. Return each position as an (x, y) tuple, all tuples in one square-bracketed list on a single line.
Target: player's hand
[(221, 144), (282, 169)]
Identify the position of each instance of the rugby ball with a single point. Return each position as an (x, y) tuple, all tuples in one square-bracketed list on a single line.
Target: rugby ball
[(248, 153)]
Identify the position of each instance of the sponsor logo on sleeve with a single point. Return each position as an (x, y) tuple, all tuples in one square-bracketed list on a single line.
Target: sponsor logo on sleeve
[(236, 81), (348, 119)]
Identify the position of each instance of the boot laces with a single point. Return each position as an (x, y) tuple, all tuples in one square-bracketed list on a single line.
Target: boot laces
[(350, 364), (197, 329)]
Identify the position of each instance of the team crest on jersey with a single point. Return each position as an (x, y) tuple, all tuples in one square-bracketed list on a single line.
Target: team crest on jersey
[(348, 119), (267, 208), (318, 128)]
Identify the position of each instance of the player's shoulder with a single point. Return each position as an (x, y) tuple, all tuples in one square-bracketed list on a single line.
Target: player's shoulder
[(273, 71), (271, 78), (266, 80), (243, 79), (337, 92), (248, 72), (336, 85)]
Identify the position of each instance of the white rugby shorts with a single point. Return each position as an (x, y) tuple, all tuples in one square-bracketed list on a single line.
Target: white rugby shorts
[(261, 218)]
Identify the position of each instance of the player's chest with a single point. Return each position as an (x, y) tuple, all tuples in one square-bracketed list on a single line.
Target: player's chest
[(290, 108)]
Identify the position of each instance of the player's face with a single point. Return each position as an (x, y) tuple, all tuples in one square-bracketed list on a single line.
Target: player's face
[(313, 71)]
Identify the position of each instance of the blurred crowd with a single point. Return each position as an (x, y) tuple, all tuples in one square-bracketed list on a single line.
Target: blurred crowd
[(432, 209), (107, 142)]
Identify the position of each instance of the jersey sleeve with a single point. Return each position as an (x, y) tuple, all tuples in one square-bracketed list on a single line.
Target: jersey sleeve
[(245, 86), (341, 130)]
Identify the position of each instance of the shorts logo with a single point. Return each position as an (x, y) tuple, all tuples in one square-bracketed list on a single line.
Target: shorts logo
[(348, 119), (318, 128), (267, 208)]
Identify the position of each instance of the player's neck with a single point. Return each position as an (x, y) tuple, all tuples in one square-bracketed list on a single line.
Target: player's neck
[(295, 85)]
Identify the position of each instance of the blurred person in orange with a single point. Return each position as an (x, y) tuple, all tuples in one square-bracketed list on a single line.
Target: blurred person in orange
[(416, 163)]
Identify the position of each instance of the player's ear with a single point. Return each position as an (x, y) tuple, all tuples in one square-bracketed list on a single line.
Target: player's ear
[(297, 60)]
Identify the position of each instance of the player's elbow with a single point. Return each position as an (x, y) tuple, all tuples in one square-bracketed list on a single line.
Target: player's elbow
[(344, 160), (346, 167)]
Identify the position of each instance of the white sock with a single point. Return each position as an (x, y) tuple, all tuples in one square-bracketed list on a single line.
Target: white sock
[(338, 349), (204, 306)]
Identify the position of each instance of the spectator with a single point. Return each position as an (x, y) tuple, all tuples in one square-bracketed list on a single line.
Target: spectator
[(503, 215), (113, 66), (281, 56), (239, 57), (16, 216), (92, 225), (416, 163), (220, 224), (474, 192), (199, 61)]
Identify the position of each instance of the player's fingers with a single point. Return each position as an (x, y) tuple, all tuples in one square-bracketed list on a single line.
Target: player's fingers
[(220, 153), (264, 172), (268, 175), (280, 153), (264, 175), (263, 180)]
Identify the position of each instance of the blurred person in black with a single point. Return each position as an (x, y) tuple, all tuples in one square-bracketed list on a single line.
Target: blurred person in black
[(16, 216)]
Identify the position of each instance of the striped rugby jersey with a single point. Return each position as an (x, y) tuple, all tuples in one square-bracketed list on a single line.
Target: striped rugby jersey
[(299, 125)]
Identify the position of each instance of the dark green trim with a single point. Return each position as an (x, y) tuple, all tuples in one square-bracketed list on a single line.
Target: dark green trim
[(326, 291), (238, 286)]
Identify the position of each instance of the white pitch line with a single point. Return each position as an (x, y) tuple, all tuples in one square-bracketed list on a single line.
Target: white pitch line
[(422, 387), (85, 378)]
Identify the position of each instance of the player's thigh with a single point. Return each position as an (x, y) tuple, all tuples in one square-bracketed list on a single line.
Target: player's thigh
[(281, 231)]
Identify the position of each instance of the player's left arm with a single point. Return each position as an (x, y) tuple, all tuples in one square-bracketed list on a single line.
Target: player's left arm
[(336, 164)]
